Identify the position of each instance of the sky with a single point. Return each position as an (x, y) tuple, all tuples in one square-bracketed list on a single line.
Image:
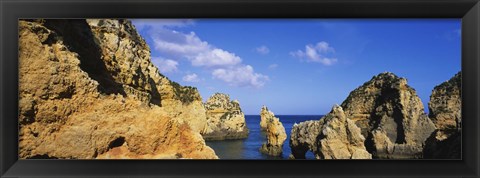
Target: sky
[(301, 66)]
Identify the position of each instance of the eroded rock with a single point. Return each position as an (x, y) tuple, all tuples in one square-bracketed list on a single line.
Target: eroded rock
[(445, 111), (88, 89), (391, 117), (445, 107), (275, 133), (334, 136), (225, 119)]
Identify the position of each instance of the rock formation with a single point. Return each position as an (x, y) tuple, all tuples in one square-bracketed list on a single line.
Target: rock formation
[(445, 112), (264, 114), (225, 119), (445, 107), (303, 138), (88, 89), (275, 134), (391, 117), (332, 137)]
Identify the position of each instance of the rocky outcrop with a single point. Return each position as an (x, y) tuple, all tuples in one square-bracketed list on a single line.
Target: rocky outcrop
[(445, 107), (445, 112), (332, 137), (340, 138), (88, 89), (225, 119), (264, 115), (391, 117), (303, 138), (126, 57), (275, 134)]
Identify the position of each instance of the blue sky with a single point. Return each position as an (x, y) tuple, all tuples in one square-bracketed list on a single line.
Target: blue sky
[(301, 66)]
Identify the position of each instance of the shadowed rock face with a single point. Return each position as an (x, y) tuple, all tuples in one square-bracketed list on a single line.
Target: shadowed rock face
[(275, 133), (445, 107), (445, 112), (88, 89), (332, 137), (391, 117), (225, 119)]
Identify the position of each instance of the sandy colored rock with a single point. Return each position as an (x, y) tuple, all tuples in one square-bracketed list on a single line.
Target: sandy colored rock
[(445, 111), (334, 136), (126, 57), (275, 134), (388, 111), (303, 138), (264, 115), (225, 119), (445, 107), (89, 90), (340, 138)]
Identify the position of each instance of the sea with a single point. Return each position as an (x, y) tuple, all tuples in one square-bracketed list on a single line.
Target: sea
[(249, 148)]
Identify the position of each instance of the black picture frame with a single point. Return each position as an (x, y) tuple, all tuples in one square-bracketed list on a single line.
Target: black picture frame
[(11, 11)]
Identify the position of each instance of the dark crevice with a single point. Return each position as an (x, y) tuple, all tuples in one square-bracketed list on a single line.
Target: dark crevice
[(397, 117), (156, 99), (78, 38), (44, 156), (387, 96), (117, 142), (299, 151)]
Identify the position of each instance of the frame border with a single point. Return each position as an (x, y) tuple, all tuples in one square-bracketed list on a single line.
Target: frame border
[(11, 11)]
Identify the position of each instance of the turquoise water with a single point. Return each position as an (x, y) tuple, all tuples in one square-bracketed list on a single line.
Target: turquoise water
[(249, 148)]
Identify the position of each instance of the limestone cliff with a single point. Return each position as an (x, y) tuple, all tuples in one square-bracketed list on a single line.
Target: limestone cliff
[(88, 89), (334, 136), (391, 117), (275, 134), (126, 57), (225, 119), (445, 111), (445, 107)]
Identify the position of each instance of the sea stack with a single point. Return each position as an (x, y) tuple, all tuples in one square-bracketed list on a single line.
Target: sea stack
[(88, 90), (275, 133), (445, 112), (334, 136), (391, 117), (264, 115), (225, 119)]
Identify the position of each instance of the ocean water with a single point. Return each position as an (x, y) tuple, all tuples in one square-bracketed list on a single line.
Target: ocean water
[(249, 148)]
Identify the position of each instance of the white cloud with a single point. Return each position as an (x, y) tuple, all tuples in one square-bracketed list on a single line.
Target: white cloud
[(316, 53), (240, 76), (216, 57), (178, 45), (263, 50), (272, 66), (165, 65), (191, 78)]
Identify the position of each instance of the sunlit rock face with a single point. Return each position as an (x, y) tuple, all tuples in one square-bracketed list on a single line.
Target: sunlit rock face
[(391, 117), (334, 136), (265, 114), (225, 119), (445, 111), (275, 133), (88, 89)]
